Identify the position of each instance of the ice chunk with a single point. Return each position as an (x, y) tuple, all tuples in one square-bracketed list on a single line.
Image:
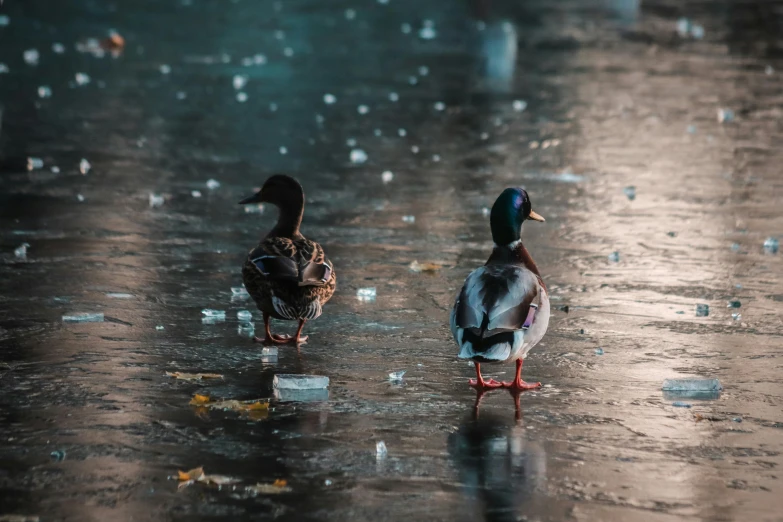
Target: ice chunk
[(160, 327), (436, 158), (393, 96), (34, 163), (80, 198), (697, 32), (4, 68), (380, 450), (58, 48), (21, 251), (771, 245), (702, 310), (735, 247), (212, 184), (402, 133), (81, 78), (283, 150), (519, 105), (692, 385), (241, 97), (44, 91), (406, 28), (246, 329), (4, 20), (239, 81), (84, 318), (330, 99), (239, 291), (630, 192), (396, 376), (208, 312), (736, 316), (358, 156), (599, 351), (244, 315), (387, 176), (680, 404), (485, 211), (424, 70), (31, 56), (725, 115), (119, 295), (362, 109), (683, 27), (269, 351), (378, 132), (164, 69), (408, 219), (350, 14), (428, 31), (181, 95), (691, 129), (290, 381), (288, 395), (366, 294), (769, 70), (195, 193), (84, 166), (272, 107), (440, 106), (254, 209), (614, 257), (288, 52), (156, 200), (413, 80), (734, 303)]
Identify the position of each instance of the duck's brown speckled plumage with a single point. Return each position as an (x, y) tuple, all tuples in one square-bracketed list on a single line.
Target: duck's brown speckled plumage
[(261, 288)]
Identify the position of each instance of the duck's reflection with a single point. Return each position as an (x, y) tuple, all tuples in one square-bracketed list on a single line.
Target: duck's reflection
[(500, 467)]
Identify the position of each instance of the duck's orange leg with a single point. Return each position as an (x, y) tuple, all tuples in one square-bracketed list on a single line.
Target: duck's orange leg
[(480, 384), (518, 383), (271, 339)]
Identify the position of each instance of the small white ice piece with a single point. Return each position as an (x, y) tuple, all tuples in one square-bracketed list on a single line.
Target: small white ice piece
[(300, 382), (4, 68), (330, 99), (393, 96), (692, 385), (164, 69), (244, 315), (440, 106), (366, 294), (212, 184), (58, 48), (208, 312), (195, 193), (239, 291), (358, 156), (34, 163), (21, 251), (81, 78), (519, 105), (84, 318), (239, 81), (771, 245), (44, 91), (380, 450), (387, 176), (725, 115), (156, 200), (84, 166), (119, 295), (362, 109), (408, 219), (614, 257), (31, 56), (427, 32), (241, 97), (396, 376)]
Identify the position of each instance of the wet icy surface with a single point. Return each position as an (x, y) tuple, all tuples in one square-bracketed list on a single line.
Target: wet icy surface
[(92, 427)]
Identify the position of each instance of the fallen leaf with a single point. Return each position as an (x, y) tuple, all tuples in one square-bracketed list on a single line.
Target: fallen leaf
[(279, 486), (115, 42), (219, 480), (188, 478), (194, 376), (199, 400), (417, 267), (193, 474)]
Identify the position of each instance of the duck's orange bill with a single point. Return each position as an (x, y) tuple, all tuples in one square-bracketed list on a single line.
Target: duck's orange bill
[(536, 217)]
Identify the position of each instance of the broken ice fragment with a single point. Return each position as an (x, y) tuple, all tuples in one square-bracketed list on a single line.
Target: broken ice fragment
[(156, 200), (692, 385), (413, 80), (380, 450), (21, 251), (300, 382), (330, 99), (44, 91), (408, 219), (401, 133), (599, 351), (164, 69), (84, 318), (195, 193), (58, 48), (485, 211), (630, 192), (84, 166), (160, 327), (387, 176), (362, 109), (393, 96), (769, 70), (254, 209), (58, 455), (428, 31), (519, 105), (239, 291), (119, 295), (31, 56), (735, 247), (80, 198), (289, 395), (4, 68), (424, 70), (366, 294), (244, 315), (212, 184), (239, 81), (358, 156), (691, 129), (81, 78), (702, 310), (241, 97), (350, 14), (771, 245), (734, 303), (208, 312), (736, 316), (440, 106), (614, 257), (269, 351), (406, 28), (34, 163), (697, 32), (680, 404), (283, 150), (725, 115), (396, 376), (4, 20), (181, 95), (246, 329)]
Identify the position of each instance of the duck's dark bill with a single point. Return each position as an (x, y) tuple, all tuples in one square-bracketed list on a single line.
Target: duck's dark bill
[(251, 199), (535, 217)]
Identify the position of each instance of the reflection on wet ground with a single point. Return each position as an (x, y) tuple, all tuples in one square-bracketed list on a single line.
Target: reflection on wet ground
[(577, 101)]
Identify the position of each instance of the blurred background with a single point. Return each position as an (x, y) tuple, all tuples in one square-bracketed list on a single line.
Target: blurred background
[(647, 133)]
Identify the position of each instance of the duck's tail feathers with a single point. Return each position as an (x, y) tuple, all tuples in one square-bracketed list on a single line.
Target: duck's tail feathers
[(484, 351)]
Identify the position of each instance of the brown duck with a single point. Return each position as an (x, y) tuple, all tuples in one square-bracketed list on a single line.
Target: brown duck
[(287, 275)]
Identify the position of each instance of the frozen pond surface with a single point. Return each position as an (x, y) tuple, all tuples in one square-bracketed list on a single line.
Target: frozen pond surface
[(403, 120)]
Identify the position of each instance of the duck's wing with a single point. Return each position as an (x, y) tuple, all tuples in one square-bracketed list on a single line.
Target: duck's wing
[(493, 310), (298, 261)]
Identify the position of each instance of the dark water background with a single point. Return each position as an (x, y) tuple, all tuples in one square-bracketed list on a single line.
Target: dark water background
[(615, 97)]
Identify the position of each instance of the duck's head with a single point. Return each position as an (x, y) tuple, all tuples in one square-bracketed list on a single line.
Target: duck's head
[(510, 210), (280, 190)]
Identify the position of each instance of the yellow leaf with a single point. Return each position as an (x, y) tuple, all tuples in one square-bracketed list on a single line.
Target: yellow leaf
[(193, 376), (280, 483), (415, 266), (199, 400), (258, 405), (193, 474)]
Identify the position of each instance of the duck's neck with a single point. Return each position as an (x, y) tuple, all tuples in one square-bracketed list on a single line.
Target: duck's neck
[(290, 218), (514, 253)]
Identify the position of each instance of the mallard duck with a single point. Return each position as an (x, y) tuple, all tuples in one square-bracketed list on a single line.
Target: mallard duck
[(287, 275), (502, 310)]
